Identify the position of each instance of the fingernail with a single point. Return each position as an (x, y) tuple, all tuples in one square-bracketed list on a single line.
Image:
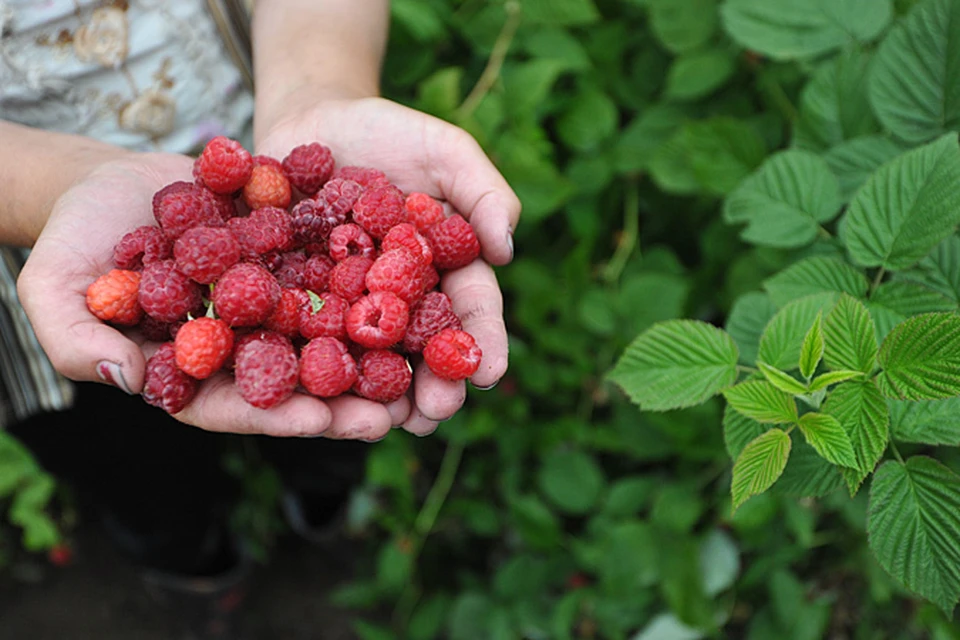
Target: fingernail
[(478, 388), (510, 242), (111, 373), (376, 440)]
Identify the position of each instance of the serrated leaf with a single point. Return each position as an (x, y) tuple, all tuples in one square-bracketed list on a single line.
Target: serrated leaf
[(783, 336), (781, 380), (815, 275), (786, 29), (812, 349), (831, 378), (722, 151), (849, 338), (825, 434), (785, 201), (676, 364), (934, 422), (908, 206), (914, 87), (862, 412), (941, 269), (696, 75), (749, 315), (895, 301), (683, 25), (921, 358), (762, 401), (854, 161), (759, 465), (913, 526)]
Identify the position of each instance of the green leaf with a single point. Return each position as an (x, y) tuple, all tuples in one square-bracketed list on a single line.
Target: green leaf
[(862, 412), (815, 275), (807, 474), (854, 161), (850, 341), (682, 26), (749, 315), (921, 358), (785, 201), (719, 562), (696, 75), (831, 378), (676, 364), (825, 434), (591, 118), (638, 142), (759, 465), (739, 431), (913, 527), (783, 336), (560, 12), (528, 84), (781, 380), (572, 480), (627, 496), (811, 351), (419, 18), (763, 402), (440, 94), (941, 269), (470, 616), (895, 301), (559, 45), (908, 206), (786, 29), (914, 86), (934, 422)]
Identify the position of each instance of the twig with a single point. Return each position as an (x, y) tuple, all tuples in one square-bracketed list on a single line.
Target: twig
[(876, 281), (629, 239), (495, 63)]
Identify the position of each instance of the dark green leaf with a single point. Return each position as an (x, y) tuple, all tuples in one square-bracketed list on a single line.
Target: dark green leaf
[(854, 161), (746, 321), (696, 75), (935, 422), (921, 358), (815, 275), (572, 480), (862, 411), (783, 337)]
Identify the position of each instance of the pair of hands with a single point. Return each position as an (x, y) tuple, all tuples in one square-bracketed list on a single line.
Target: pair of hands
[(416, 151)]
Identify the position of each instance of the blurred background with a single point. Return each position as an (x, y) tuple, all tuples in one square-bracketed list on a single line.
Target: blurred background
[(549, 507)]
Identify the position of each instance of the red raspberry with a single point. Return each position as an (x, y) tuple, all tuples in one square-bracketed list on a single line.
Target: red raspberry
[(377, 321), (183, 205), (308, 167), (397, 271), (290, 268), (224, 166), (312, 220), (267, 187), (347, 279), (350, 240), (167, 294), (266, 372), (405, 235), (202, 345), (164, 384), (429, 278), (223, 203), (366, 177), (113, 297), (430, 316), (452, 354), (423, 211), (243, 337), (285, 318), (454, 243), (326, 367), (60, 555), (316, 273), (141, 246), (382, 376), (267, 160), (341, 195), (263, 231), (245, 295), (324, 315), (379, 209), (203, 254), (154, 330)]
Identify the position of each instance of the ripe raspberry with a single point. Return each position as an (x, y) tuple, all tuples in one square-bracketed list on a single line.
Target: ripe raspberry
[(312, 220), (113, 297), (429, 278), (454, 243), (397, 271), (267, 160), (350, 240), (285, 318), (341, 195), (166, 294), (264, 230), (266, 373), (452, 354), (382, 376), (378, 209), (245, 295), (348, 278), (366, 177), (290, 268), (141, 246), (430, 316), (267, 187), (202, 345), (405, 235), (243, 337), (164, 384), (182, 205), (423, 211), (324, 315), (316, 273), (326, 367), (203, 254), (377, 321), (154, 330), (223, 203), (308, 167), (224, 165)]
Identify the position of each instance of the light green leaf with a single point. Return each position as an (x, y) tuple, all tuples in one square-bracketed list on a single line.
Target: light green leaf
[(815, 275), (811, 351), (683, 25), (825, 434), (759, 465), (895, 301), (761, 401), (850, 341), (781, 380), (914, 87), (862, 412), (638, 142), (783, 336), (676, 364), (666, 626), (560, 12), (854, 161), (696, 75), (591, 118), (786, 29), (913, 527), (908, 206), (572, 480), (785, 201), (921, 358), (749, 315), (831, 378), (935, 422)]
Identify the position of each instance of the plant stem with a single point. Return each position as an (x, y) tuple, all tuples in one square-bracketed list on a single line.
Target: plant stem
[(494, 63), (782, 100), (630, 237), (745, 369), (437, 496), (876, 281), (896, 452)]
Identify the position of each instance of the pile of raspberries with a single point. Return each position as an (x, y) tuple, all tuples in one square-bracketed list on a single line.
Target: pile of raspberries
[(293, 276)]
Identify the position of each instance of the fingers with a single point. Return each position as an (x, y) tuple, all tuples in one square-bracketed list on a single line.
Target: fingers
[(358, 419), (419, 425), (436, 399)]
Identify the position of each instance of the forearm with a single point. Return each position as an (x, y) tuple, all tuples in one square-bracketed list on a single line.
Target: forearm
[(305, 50), (36, 168)]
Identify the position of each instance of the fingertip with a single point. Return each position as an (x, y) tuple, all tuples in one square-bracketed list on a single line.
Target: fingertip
[(437, 399), (355, 418), (419, 425)]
